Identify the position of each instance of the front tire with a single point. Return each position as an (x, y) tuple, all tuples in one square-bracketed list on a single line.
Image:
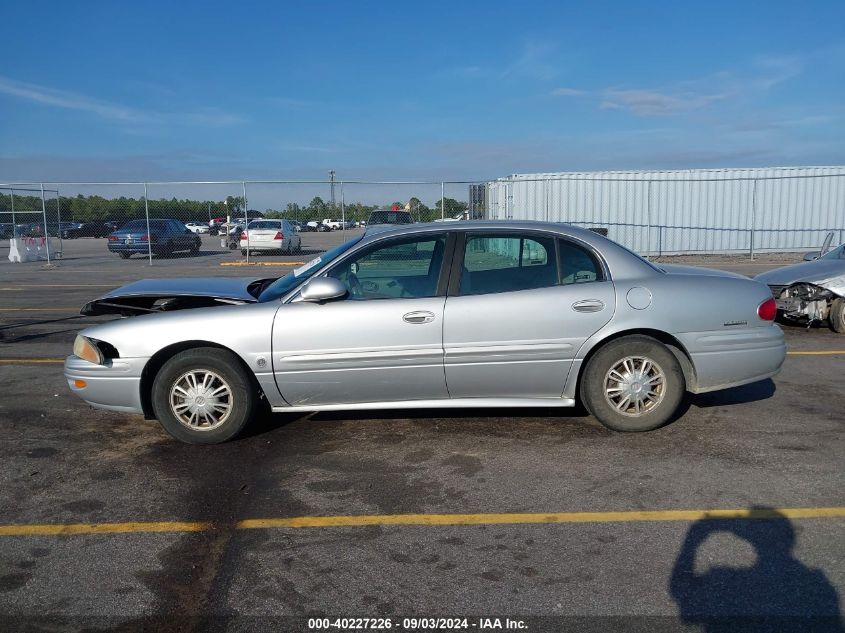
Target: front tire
[(203, 396), (125, 255), (837, 316), (633, 384)]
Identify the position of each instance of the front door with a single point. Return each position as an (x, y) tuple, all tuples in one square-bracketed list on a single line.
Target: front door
[(519, 316), (383, 342)]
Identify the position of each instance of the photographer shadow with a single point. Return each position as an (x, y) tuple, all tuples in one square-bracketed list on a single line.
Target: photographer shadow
[(777, 593)]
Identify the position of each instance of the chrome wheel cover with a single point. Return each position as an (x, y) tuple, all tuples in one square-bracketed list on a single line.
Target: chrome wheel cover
[(201, 400), (634, 386)]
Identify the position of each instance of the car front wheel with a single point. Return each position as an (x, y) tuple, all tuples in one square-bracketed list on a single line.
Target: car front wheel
[(633, 384), (203, 396), (837, 316)]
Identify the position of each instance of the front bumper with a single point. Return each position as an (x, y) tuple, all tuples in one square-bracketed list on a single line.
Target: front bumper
[(732, 358), (115, 386)]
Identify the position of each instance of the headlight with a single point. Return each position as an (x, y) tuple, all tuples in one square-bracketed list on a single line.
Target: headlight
[(86, 350)]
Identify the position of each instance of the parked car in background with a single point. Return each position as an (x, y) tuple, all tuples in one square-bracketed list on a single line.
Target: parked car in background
[(812, 290), (89, 229), (483, 314), (6, 231), (389, 216), (164, 237), (314, 225), (333, 225), (270, 235), (197, 227)]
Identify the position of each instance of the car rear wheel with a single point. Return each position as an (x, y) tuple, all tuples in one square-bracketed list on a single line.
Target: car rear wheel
[(203, 396), (633, 384), (837, 316)]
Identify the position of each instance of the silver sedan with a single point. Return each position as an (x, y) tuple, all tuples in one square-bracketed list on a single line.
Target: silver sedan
[(469, 314)]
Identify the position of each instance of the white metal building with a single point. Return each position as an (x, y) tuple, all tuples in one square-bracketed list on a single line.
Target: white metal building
[(685, 211)]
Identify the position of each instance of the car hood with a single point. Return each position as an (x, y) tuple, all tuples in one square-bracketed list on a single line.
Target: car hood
[(161, 295), (827, 273), (678, 269)]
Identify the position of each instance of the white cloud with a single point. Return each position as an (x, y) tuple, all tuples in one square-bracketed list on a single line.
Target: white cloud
[(112, 111), (568, 92), (693, 94), (655, 102), (532, 62)]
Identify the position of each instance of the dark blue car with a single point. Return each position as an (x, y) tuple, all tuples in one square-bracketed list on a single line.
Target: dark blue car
[(165, 237)]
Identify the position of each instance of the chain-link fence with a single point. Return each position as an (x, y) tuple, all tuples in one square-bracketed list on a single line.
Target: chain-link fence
[(160, 221), (30, 218)]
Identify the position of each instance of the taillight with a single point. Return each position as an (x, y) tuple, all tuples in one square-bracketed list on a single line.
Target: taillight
[(279, 236), (113, 238), (767, 310), (244, 236)]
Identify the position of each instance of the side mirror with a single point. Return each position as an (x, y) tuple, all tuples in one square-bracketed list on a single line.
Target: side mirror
[(808, 257), (323, 289)]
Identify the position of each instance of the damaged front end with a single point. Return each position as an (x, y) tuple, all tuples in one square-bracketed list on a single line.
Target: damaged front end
[(164, 295), (803, 300)]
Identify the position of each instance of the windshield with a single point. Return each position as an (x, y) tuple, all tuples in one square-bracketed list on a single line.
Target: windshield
[(141, 225), (390, 217), (265, 224), (283, 285), (836, 253)]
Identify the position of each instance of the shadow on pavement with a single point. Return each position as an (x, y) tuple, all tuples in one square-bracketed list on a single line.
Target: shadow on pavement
[(777, 593), (756, 391)]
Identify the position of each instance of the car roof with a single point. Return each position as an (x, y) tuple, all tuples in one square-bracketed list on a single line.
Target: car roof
[(469, 225)]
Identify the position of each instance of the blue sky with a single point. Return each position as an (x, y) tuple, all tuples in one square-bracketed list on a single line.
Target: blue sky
[(426, 90)]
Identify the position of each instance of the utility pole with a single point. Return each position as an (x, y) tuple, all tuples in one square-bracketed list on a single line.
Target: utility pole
[(331, 180)]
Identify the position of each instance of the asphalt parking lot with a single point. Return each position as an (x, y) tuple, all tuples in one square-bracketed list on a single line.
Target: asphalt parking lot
[(108, 524)]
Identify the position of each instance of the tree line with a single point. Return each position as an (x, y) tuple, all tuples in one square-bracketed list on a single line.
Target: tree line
[(97, 208)]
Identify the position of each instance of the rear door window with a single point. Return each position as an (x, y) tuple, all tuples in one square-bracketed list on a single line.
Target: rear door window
[(508, 262)]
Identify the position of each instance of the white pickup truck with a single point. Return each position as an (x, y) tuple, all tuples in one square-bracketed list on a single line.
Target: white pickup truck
[(334, 225)]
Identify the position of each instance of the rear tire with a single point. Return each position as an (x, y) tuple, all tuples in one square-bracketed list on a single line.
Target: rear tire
[(203, 396), (633, 384), (837, 316)]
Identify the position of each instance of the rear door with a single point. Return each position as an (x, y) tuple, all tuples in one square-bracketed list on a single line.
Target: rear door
[(520, 305), (383, 342)]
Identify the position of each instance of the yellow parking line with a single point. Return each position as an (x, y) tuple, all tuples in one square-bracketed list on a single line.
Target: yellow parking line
[(261, 263), (536, 518), (30, 361), (71, 529), (832, 352)]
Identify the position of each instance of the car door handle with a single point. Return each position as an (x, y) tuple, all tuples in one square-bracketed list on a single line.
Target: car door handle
[(588, 305), (422, 316)]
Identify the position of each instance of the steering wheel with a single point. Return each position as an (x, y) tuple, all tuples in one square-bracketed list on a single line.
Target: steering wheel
[(355, 287)]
